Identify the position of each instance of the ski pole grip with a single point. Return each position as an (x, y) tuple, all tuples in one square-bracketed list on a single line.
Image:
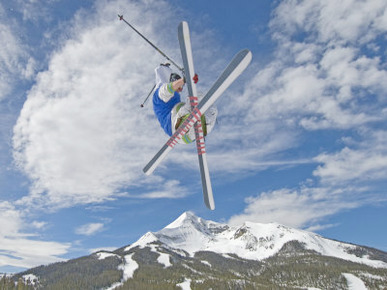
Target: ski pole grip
[(195, 78)]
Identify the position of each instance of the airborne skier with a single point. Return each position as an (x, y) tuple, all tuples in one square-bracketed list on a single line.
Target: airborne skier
[(194, 119), (169, 109)]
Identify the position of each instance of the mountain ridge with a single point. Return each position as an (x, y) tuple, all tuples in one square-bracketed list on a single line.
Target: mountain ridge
[(254, 241), (192, 252)]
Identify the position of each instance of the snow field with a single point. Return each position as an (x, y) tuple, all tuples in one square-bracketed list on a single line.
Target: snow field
[(354, 283)]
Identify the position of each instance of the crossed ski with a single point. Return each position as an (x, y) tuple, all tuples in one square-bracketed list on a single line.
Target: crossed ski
[(232, 71)]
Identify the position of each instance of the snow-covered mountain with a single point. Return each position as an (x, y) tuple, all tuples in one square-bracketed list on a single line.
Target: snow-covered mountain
[(253, 241), (193, 253)]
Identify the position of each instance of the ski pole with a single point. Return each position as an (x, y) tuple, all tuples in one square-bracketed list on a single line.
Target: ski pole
[(154, 46), (143, 103)]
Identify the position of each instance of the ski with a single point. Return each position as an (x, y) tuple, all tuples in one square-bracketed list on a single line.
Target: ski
[(238, 64), (186, 53)]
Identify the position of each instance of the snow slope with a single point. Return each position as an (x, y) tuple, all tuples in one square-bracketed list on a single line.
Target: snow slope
[(354, 283), (254, 241)]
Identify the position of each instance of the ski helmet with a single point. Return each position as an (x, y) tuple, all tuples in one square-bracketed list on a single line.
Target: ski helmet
[(174, 77)]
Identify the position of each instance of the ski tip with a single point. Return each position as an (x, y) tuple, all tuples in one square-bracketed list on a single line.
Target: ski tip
[(244, 58), (121, 17), (249, 56), (246, 53)]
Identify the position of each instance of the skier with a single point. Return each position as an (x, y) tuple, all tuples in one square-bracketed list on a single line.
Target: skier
[(169, 109)]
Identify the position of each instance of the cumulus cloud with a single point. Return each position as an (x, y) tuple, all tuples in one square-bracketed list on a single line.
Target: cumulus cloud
[(327, 74), (81, 136), (322, 79), (359, 163), (305, 207), (344, 181), (325, 94), (295, 208), (351, 21)]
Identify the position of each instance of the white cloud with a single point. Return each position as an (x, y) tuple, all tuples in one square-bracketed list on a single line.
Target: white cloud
[(22, 249), (169, 189), (364, 163), (327, 74), (296, 208), (347, 21), (340, 90), (81, 136), (89, 229), (15, 63), (323, 74), (306, 207)]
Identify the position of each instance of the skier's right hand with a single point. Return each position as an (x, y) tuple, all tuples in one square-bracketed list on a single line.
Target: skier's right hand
[(178, 85)]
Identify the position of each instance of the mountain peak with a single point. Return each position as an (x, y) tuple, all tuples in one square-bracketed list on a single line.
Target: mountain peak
[(188, 221), (186, 217)]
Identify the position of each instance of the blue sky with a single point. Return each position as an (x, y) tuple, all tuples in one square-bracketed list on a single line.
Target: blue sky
[(300, 140)]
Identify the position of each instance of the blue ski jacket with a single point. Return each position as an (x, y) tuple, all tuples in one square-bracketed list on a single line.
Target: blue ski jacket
[(163, 110)]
